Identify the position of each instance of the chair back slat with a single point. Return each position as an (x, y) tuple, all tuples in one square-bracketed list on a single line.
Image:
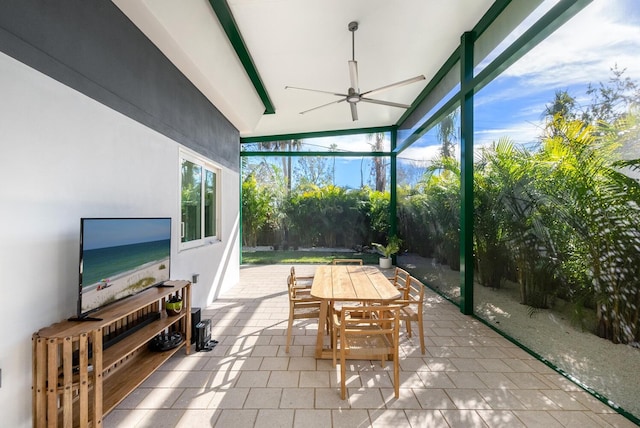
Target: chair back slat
[(347, 262)]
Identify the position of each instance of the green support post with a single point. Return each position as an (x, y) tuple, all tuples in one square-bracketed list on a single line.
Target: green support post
[(393, 194), (466, 174)]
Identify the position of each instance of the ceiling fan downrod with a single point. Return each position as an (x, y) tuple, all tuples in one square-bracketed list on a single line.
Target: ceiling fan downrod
[(353, 26)]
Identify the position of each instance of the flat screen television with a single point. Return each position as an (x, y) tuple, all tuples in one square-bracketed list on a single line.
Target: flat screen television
[(120, 257)]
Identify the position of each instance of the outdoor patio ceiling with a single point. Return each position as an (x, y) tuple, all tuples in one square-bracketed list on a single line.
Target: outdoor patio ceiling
[(305, 44)]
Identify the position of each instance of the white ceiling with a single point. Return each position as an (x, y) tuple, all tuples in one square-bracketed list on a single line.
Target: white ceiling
[(306, 43)]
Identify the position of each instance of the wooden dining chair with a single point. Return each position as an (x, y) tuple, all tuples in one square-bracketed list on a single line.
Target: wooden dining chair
[(411, 309), (301, 306), (347, 262), (402, 281), (301, 281), (368, 333)]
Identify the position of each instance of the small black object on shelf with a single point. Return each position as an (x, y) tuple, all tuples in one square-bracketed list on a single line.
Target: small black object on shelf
[(165, 341)]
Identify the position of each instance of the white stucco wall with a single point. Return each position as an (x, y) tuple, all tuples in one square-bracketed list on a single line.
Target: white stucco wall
[(64, 156)]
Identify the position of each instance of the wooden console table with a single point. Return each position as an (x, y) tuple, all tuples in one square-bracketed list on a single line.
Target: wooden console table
[(76, 382)]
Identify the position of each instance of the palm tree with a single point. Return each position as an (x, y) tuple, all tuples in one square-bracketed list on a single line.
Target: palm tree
[(283, 146), (379, 170), (448, 132)]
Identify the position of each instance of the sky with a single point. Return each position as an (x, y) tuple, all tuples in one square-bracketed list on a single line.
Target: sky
[(603, 35)]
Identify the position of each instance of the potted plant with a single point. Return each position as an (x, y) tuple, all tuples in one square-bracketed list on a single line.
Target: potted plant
[(173, 306), (387, 251)]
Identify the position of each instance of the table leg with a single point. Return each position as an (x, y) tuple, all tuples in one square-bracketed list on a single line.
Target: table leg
[(322, 322)]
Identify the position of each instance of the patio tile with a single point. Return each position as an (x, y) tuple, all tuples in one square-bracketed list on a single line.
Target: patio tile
[(329, 398), (407, 399), (365, 398), (315, 379), (466, 380), (229, 398), (526, 381), (160, 398), (252, 379), (463, 418), (161, 418), (500, 418), (348, 418), (467, 364), (537, 419), (194, 398), (284, 379), (198, 418), (302, 363), (437, 364), (312, 418), (237, 418), (297, 398), (494, 365), (274, 418), (426, 418), (436, 380), (534, 399), (274, 363), (433, 399), (501, 399), (385, 418), (563, 400), (467, 399), (263, 398), (577, 419), (495, 380)]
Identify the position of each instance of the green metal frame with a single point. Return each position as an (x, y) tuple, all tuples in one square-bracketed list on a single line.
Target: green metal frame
[(318, 134), (466, 175), (393, 194), (307, 154), (223, 12)]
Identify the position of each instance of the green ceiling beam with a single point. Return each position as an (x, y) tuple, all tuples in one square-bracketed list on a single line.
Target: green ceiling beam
[(487, 19), (223, 12), (318, 134)]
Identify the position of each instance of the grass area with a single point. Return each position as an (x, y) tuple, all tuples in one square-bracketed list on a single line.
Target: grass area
[(303, 257)]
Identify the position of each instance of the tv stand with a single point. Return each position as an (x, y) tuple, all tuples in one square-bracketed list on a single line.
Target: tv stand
[(85, 319), (82, 369)]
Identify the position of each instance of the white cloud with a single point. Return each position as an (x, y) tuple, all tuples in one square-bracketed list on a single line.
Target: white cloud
[(584, 49)]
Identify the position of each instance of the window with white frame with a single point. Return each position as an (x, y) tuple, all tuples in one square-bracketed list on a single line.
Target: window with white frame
[(199, 212)]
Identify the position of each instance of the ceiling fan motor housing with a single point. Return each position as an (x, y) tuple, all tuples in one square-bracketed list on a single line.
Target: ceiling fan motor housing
[(353, 97)]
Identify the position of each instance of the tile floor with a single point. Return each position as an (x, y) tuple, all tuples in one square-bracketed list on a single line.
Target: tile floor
[(469, 377)]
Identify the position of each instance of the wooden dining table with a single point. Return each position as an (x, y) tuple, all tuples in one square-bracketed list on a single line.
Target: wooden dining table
[(348, 283)]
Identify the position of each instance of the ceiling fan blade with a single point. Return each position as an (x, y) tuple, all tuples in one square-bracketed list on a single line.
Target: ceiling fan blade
[(316, 90), (323, 105), (393, 85), (354, 111), (353, 75), (384, 103)]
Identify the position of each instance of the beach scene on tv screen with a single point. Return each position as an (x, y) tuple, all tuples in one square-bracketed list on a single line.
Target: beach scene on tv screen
[(121, 257)]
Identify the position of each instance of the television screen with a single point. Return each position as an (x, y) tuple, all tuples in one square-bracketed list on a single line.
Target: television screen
[(120, 257)]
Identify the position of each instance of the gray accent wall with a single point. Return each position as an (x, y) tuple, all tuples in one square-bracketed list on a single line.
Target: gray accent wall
[(92, 47)]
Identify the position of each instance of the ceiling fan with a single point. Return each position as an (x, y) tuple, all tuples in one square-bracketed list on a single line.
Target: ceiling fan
[(353, 95)]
